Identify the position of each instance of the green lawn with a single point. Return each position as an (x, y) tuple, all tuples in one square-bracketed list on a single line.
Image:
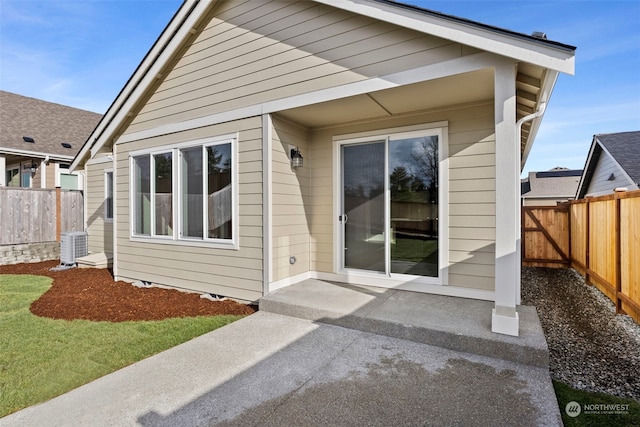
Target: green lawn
[(41, 358), (592, 412)]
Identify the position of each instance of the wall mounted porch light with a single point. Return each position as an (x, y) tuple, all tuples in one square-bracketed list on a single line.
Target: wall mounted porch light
[(34, 167), (296, 158)]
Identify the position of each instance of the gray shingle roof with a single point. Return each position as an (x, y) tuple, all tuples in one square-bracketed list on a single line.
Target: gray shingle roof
[(625, 149), (47, 123), (554, 183)]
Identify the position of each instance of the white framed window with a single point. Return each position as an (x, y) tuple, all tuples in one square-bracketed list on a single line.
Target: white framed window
[(108, 195), (13, 176), (186, 193)]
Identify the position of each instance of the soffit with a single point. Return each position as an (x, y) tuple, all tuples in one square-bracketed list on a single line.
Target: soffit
[(428, 95)]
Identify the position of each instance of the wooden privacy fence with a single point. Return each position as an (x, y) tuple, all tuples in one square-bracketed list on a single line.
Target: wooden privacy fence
[(29, 215), (598, 236)]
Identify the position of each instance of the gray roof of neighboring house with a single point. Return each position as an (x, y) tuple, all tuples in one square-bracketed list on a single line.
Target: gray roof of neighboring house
[(557, 182), (625, 149), (49, 125)]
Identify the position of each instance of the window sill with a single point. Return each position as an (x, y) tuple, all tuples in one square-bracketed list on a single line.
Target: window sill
[(231, 245)]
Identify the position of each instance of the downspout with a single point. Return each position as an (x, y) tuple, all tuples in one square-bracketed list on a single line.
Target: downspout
[(541, 109)]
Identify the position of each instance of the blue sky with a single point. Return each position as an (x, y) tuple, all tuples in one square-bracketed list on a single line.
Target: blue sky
[(81, 53)]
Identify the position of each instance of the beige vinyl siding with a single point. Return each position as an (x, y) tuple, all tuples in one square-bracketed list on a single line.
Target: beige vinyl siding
[(254, 52), (471, 191), (51, 175), (36, 179), (228, 272), (472, 196), (290, 190), (100, 231), (600, 183)]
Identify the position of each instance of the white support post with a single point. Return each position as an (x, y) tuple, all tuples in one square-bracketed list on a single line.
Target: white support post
[(3, 171), (505, 318), (43, 174)]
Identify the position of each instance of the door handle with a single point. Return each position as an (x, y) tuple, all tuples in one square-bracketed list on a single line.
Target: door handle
[(343, 218)]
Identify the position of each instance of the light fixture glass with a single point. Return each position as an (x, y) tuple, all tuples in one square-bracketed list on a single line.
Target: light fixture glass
[(296, 158)]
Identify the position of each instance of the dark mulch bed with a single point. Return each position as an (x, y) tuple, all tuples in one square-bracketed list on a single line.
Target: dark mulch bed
[(92, 294)]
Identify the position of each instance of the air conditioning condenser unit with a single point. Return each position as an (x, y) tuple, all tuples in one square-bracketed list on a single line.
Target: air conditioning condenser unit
[(73, 244)]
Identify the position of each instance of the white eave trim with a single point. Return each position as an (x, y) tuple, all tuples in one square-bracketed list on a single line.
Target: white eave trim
[(546, 89), (586, 166), (546, 56), (172, 37), (37, 154)]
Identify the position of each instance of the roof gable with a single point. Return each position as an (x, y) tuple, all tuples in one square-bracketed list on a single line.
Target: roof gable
[(193, 15), (622, 148), (49, 125)]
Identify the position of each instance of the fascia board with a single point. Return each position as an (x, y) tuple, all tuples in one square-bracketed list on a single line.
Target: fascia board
[(37, 154), (179, 28), (546, 89), (594, 143), (520, 49)]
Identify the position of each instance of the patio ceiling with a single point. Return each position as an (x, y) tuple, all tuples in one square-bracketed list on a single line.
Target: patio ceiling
[(429, 95)]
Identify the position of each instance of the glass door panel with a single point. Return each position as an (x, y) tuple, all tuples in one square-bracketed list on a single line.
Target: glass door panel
[(363, 215), (413, 184)]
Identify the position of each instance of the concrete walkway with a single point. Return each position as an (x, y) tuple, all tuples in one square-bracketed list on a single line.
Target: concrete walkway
[(322, 365)]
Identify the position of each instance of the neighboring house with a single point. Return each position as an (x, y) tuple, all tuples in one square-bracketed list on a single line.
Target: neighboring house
[(550, 187), (404, 121), (38, 141), (613, 162)]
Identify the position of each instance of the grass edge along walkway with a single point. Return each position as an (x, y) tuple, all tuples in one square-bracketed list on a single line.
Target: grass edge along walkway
[(595, 409), (41, 358)]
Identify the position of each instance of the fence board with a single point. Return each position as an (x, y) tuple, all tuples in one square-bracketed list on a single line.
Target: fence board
[(608, 252), (72, 211), (630, 255), (579, 236), (28, 215), (603, 239), (545, 236), (602, 248)]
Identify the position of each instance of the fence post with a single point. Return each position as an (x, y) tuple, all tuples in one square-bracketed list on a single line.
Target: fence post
[(587, 276), (58, 213), (618, 252)]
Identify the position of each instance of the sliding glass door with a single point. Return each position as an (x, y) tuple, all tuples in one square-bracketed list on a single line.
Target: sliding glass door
[(363, 201), (389, 210)]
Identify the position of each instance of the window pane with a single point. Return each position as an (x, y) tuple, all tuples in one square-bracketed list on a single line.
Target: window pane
[(142, 200), (13, 178), (26, 180), (108, 202), (364, 211), (219, 192), (68, 181), (413, 183), (192, 192), (163, 194)]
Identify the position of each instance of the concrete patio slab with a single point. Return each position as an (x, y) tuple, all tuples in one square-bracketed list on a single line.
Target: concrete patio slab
[(273, 370), (458, 324)]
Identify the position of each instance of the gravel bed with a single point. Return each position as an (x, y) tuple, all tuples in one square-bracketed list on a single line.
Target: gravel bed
[(591, 348)]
